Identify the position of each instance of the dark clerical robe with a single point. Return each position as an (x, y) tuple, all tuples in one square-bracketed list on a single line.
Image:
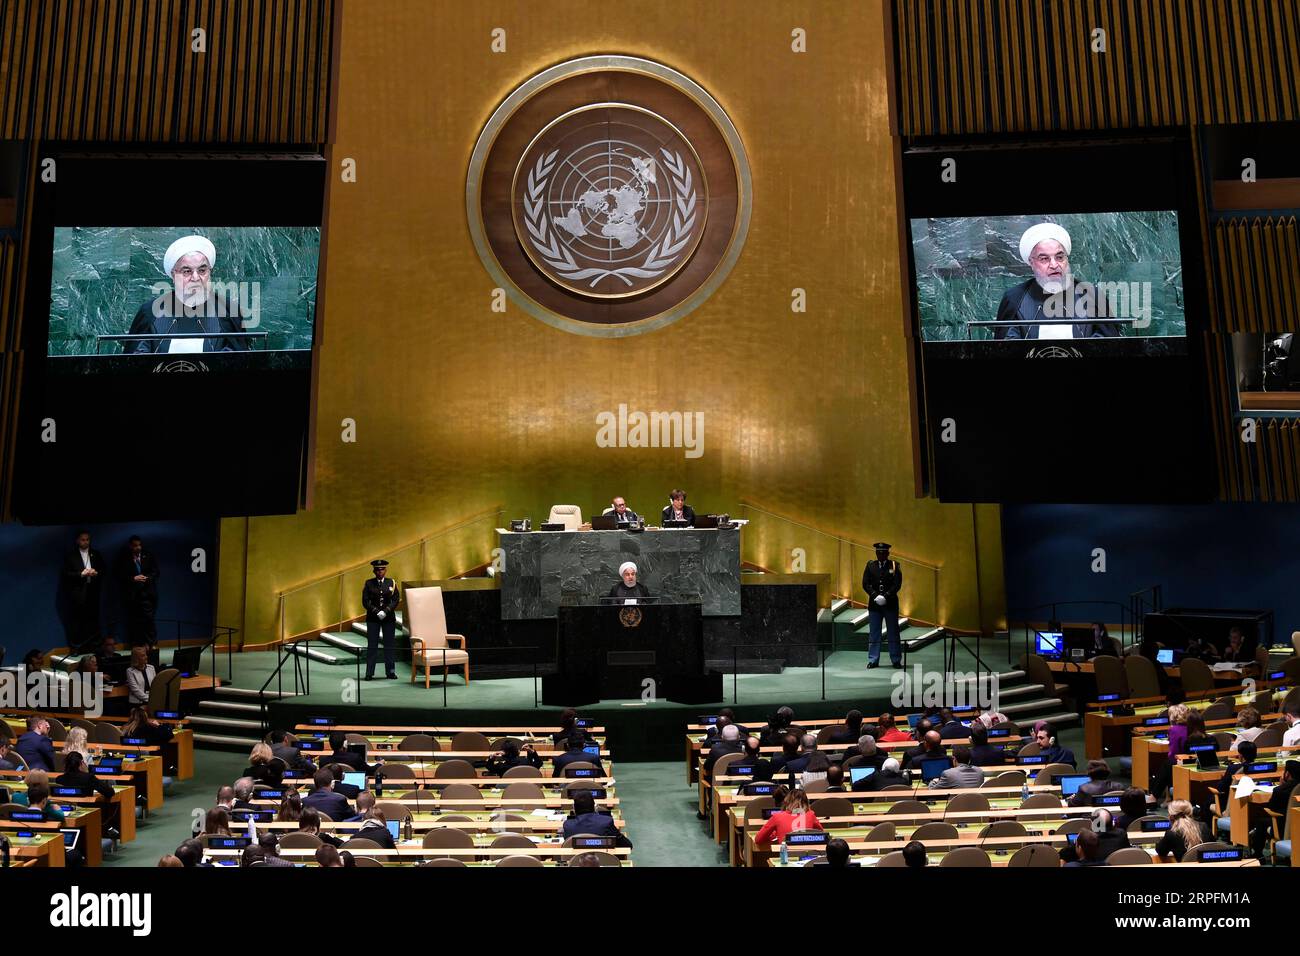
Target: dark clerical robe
[(1026, 302), (164, 314)]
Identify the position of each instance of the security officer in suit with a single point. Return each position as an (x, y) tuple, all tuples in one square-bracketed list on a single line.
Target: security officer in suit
[(882, 580), (379, 597)]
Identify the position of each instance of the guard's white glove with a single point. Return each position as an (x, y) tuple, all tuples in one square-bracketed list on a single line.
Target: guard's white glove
[(381, 615), (880, 600)]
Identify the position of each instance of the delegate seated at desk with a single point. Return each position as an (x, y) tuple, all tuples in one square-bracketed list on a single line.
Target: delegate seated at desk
[(678, 510), (629, 589)]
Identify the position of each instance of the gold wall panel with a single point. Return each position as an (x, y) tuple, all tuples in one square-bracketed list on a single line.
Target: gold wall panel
[(460, 410)]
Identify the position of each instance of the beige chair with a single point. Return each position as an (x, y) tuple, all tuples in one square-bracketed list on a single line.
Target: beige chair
[(1036, 854), (825, 807), (1196, 675), (430, 642), (907, 806), (1111, 679), (360, 845), (422, 743), (165, 691), (445, 861), (568, 515), (455, 769), (365, 861), (512, 861), (447, 838), (1129, 856), (463, 791), (1194, 854), (894, 858), (1295, 643), (1007, 778), (967, 802), (1073, 826), (58, 732), (299, 840), (934, 831), (1048, 773), (1268, 737), (881, 833), (471, 740), (513, 841), (605, 859), (816, 786), (1141, 674), (1040, 801), (966, 856), (106, 734), (394, 810), (1003, 828), (524, 771), (523, 791)]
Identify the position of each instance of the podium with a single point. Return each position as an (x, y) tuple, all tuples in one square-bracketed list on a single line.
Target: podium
[(610, 651)]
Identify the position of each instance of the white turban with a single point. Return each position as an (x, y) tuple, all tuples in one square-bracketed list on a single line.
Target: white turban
[(183, 247), (625, 566), (1036, 234)]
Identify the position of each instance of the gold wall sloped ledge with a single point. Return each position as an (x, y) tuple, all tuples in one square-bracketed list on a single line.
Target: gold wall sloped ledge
[(124, 70), (997, 66)]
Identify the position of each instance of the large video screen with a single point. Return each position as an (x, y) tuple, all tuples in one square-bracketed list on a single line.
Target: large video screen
[(182, 290), (1054, 276)]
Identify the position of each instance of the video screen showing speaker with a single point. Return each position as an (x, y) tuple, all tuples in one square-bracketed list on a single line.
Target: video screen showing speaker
[(187, 290), (1050, 277), (168, 333), (1056, 294)]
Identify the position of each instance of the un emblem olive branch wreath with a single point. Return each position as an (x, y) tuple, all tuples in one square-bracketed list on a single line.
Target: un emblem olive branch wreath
[(662, 255)]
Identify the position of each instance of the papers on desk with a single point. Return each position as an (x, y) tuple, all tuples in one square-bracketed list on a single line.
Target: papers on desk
[(1225, 666), (1245, 787)]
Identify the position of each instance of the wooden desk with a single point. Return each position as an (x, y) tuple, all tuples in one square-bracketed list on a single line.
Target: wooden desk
[(1239, 813), (197, 682)]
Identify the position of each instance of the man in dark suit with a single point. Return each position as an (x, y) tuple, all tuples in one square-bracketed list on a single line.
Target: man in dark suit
[(729, 744), (35, 747), (791, 759), (586, 820), (1132, 806), (575, 754), (243, 794), (870, 754), (323, 799), (882, 580), (889, 775), (341, 754), (931, 746), (1279, 801), (754, 757), (847, 732), (81, 574), (347, 791), (950, 728), (677, 509), (373, 827), (291, 755), (1050, 293), (511, 755), (7, 762), (137, 578), (981, 753), (621, 513), (380, 598), (1099, 782), (1086, 850)]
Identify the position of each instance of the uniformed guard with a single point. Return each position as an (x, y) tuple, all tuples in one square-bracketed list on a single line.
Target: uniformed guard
[(379, 597), (881, 580)]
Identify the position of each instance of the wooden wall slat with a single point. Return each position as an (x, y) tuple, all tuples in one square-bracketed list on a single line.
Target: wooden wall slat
[(1169, 62), (124, 71)]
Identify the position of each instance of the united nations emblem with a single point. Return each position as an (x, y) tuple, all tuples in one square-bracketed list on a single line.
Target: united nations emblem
[(630, 616), (609, 195)]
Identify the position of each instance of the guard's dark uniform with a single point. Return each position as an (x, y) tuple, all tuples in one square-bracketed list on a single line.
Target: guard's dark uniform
[(380, 594), (883, 578)]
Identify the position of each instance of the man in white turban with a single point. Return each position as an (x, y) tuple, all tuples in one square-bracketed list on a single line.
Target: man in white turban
[(190, 306), (1045, 248), (629, 589)]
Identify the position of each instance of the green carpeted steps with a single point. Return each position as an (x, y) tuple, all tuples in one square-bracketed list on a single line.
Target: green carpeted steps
[(231, 720), (852, 630)]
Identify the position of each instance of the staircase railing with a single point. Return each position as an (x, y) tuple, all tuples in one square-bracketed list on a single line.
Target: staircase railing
[(301, 675), (1025, 617), (1139, 607), (770, 533), (409, 561)]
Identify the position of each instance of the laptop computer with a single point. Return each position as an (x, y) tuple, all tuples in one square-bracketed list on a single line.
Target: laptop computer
[(355, 778), (186, 660), (1206, 756), (706, 521), (604, 523), (1049, 644), (860, 773), (71, 838), (1071, 782), (394, 828), (934, 767), (675, 523)]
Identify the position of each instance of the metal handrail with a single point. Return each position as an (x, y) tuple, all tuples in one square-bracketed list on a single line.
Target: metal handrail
[(902, 559), (340, 575), (225, 629), (822, 648)]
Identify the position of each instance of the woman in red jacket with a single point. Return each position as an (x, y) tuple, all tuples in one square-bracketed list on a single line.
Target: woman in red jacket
[(795, 814)]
